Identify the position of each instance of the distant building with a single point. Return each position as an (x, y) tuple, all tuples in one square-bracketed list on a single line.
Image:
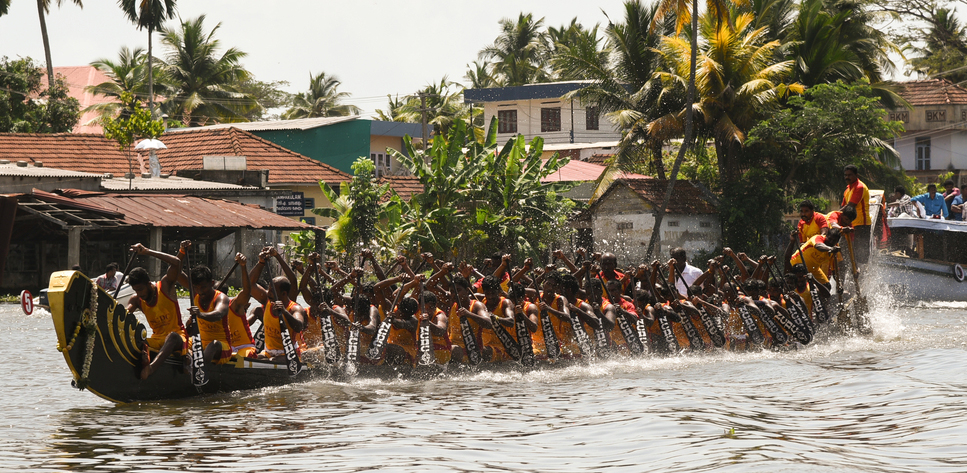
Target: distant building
[(78, 78), (227, 155), (584, 175), (935, 136), (622, 220), (335, 141), (569, 127)]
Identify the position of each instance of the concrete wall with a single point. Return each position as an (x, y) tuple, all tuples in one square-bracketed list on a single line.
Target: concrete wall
[(623, 224), (378, 144), (23, 184), (529, 121)]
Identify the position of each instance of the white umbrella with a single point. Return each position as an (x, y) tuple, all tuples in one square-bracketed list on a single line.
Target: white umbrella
[(151, 144)]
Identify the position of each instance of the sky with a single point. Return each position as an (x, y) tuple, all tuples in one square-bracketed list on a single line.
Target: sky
[(374, 47)]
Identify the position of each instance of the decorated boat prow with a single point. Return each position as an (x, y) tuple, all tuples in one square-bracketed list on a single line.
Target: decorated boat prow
[(102, 345)]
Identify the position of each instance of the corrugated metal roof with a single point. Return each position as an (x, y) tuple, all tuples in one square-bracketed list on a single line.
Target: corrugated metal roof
[(297, 124), (544, 90), (170, 183), (173, 211), (190, 211)]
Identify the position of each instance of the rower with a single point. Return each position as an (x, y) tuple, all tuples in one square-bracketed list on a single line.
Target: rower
[(816, 253), (556, 307), (462, 305), (210, 308), (438, 320), (810, 222), (291, 313), (159, 304), (494, 308), (609, 263), (857, 196), (401, 344), (240, 333)]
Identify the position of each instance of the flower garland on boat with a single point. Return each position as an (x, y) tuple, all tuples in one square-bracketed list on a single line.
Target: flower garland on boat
[(89, 323)]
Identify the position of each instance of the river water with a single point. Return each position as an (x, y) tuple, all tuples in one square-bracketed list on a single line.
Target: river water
[(893, 402)]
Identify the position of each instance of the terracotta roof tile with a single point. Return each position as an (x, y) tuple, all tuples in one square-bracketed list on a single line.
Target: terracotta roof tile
[(687, 198), (600, 158), (94, 153), (932, 92), (405, 186)]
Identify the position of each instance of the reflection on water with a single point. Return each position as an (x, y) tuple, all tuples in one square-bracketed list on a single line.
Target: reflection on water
[(893, 402)]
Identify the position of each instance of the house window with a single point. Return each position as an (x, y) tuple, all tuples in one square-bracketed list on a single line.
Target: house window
[(626, 226), (673, 223), (705, 224), (923, 153), (310, 203), (591, 118), (308, 220), (550, 119), (381, 162), (507, 121)]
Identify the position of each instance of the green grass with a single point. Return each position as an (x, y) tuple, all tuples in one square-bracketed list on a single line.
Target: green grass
[(10, 298)]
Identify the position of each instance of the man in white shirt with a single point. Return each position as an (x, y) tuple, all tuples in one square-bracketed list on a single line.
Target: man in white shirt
[(689, 273), (111, 279)]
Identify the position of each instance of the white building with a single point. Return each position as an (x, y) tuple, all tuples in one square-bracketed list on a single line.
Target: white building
[(571, 128), (622, 220), (935, 136)]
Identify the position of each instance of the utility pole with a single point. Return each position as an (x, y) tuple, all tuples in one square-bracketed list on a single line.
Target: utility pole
[(423, 111)]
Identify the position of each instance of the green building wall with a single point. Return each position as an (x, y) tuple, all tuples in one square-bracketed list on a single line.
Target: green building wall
[(338, 145)]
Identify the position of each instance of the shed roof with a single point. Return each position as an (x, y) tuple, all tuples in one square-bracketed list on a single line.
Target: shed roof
[(583, 171), (932, 92), (173, 183), (96, 154), (12, 169), (167, 210), (687, 197)]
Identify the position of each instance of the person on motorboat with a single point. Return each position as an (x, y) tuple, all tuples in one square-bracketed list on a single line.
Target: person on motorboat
[(933, 203), (111, 279)]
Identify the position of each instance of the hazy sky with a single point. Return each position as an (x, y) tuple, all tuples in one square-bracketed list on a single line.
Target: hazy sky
[(374, 47)]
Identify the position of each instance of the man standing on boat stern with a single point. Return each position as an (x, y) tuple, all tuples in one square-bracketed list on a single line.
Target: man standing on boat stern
[(159, 304), (857, 196), (689, 273)]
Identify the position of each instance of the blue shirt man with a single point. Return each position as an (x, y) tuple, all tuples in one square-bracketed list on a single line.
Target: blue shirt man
[(933, 203)]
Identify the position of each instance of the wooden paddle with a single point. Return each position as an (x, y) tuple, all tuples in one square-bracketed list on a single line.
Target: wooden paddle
[(330, 345), (378, 346), (630, 335), (127, 269), (694, 339), (424, 338), (221, 284), (819, 309), (714, 332), (466, 331), (198, 376), (751, 327), (664, 324)]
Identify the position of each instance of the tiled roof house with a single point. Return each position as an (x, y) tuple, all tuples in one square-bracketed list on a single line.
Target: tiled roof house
[(935, 128)]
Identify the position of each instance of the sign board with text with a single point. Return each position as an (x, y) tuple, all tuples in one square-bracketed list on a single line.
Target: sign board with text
[(293, 205)]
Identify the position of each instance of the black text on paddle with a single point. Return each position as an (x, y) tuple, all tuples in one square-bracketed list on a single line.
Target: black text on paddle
[(291, 357), (198, 376)]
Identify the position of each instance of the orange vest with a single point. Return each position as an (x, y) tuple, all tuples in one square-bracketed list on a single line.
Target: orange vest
[(212, 331), (402, 338), (563, 329), (488, 337), (814, 227), (273, 330), (240, 334), (164, 316)]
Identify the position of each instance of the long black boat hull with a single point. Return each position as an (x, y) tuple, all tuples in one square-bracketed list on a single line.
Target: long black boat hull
[(116, 356)]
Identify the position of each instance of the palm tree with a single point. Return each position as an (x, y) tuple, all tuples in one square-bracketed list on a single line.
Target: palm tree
[(518, 53), (943, 49), (149, 14), (128, 74), (322, 100), (623, 84), (392, 112), (4, 7), (43, 8), (444, 103), (738, 79), (207, 85), (479, 76)]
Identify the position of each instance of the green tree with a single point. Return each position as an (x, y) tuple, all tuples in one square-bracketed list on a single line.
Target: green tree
[(269, 96), (393, 112), (128, 74), (129, 127), (55, 112), (478, 74), (624, 85), (322, 100), (150, 14), (207, 84), (518, 54), (356, 211), (444, 103), (944, 49)]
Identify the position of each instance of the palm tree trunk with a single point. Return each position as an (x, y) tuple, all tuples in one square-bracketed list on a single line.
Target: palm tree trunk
[(150, 76), (657, 161), (689, 119), (43, 31)]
